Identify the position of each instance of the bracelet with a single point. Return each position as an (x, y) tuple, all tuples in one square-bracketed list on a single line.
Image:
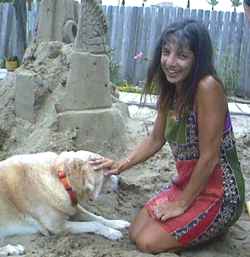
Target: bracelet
[(126, 162)]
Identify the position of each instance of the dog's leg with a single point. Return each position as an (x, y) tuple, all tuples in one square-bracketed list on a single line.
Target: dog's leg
[(27, 226), (9, 250), (116, 224), (92, 227)]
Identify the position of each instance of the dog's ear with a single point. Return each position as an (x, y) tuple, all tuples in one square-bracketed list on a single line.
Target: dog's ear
[(75, 166), (67, 166)]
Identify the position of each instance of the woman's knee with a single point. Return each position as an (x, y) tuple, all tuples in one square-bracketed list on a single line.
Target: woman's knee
[(152, 239), (134, 232), (138, 224), (145, 244)]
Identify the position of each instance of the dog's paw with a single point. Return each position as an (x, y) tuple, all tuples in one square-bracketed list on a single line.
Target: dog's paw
[(118, 224), (9, 250), (113, 234)]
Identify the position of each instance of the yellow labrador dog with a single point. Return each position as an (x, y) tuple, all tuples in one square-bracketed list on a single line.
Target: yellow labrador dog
[(39, 193)]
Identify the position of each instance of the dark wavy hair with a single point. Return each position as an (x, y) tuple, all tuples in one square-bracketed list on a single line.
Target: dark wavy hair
[(195, 36)]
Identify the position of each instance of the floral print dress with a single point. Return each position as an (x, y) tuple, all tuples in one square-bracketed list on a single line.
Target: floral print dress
[(220, 204)]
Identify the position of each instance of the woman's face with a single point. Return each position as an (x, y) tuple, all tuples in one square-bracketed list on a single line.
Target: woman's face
[(176, 63)]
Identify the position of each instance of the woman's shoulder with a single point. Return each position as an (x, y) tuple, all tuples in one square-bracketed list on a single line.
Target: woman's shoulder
[(210, 90), (209, 84)]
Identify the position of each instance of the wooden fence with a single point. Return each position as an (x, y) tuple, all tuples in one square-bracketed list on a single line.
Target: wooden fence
[(136, 29), (8, 31), (11, 38)]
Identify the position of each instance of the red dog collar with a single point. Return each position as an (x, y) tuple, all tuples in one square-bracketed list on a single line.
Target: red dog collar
[(65, 181)]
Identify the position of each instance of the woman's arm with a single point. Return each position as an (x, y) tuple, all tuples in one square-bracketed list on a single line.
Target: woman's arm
[(211, 112)]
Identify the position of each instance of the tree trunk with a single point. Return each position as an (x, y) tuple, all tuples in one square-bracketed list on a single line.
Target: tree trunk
[(21, 21)]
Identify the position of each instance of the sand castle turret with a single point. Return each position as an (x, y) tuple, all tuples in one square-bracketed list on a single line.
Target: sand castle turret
[(87, 105)]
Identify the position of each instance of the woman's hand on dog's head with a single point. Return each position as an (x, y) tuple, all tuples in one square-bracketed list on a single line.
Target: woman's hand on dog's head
[(104, 163), (109, 166)]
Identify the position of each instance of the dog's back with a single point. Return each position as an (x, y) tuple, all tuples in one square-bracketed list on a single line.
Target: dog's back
[(46, 158), (16, 188)]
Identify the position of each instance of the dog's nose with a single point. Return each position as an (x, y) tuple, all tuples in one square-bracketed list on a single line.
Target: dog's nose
[(92, 196)]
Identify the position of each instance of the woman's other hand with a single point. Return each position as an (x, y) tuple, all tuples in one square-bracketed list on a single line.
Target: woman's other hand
[(167, 210)]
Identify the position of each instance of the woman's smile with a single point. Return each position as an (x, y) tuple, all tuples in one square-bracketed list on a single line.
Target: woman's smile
[(172, 73)]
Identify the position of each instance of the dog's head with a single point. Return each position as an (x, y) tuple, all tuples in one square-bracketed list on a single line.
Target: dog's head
[(83, 178)]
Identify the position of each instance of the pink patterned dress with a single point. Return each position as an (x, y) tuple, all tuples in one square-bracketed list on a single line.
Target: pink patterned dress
[(220, 204)]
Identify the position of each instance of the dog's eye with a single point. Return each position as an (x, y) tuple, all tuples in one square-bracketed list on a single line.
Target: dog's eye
[(97, 170)]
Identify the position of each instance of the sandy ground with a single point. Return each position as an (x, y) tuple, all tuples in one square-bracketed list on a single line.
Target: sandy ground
[(136, 185)]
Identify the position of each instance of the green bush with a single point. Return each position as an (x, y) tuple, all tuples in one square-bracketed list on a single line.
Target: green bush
[(229, 73), (113, 67), (129, 88), (12, 58), (2, 63)]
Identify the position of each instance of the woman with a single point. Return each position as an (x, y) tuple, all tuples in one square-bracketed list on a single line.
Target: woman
[(207, 195)]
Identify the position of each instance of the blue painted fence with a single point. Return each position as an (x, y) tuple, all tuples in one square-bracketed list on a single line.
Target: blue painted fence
[(134, 30)]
